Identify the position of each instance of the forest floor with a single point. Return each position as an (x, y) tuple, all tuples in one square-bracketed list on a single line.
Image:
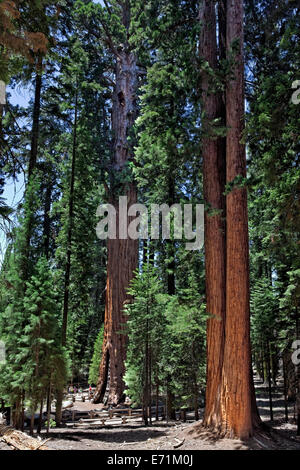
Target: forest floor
[(184, 436)]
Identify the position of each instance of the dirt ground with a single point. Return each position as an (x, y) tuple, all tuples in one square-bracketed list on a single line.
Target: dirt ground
[(169, 436), (162, 437)]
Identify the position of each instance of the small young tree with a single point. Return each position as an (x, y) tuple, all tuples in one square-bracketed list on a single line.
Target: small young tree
[(35, 360), (184, 346), (146, 328), (41, 336), (166, 343)]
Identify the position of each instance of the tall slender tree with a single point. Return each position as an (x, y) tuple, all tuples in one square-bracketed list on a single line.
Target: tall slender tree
[(236, 391), (214, 161)]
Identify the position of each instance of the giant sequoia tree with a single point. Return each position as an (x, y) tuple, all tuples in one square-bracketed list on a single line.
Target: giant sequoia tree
[(214, 161), (146, 100), (236, 399), (122, 252), (230, 405)]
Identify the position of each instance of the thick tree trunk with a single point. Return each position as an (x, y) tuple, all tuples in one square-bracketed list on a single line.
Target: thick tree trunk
[(122, 253), (236, 393), (230, 400), (121, 264), (214, 156)]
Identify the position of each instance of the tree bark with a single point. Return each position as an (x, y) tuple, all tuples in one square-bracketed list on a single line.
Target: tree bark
[(214, 157), (236, 392), (47, 221), (230, 399), (36, 117), (31, 167), (122, 253)]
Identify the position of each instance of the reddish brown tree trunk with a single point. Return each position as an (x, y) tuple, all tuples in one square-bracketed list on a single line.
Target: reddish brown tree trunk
[(214, 186), (122, 254), (230, 398), (121, 263), (236, 394)]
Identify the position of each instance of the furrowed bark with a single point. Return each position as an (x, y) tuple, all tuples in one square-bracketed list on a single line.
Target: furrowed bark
[(214, 156), (236, 393), (122, 254), (230, 398)]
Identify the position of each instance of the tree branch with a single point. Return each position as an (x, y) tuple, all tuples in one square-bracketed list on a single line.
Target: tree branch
[(109, 39), (107, 6)]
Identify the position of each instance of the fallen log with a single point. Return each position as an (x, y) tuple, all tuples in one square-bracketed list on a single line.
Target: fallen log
[(19, 440)]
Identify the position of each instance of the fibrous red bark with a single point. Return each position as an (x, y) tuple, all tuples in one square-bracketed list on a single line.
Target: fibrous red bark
[(230, 400), (122, 253), (214, 156), (238, 407)]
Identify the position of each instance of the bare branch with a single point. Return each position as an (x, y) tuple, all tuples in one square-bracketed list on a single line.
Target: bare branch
[(109, 40), (107, 7)]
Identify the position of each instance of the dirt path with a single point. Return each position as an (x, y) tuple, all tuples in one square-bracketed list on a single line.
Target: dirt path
[(160, 437), (166, 436)]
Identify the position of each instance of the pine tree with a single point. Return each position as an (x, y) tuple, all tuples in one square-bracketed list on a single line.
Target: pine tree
[(41, 336), (146, 332)]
